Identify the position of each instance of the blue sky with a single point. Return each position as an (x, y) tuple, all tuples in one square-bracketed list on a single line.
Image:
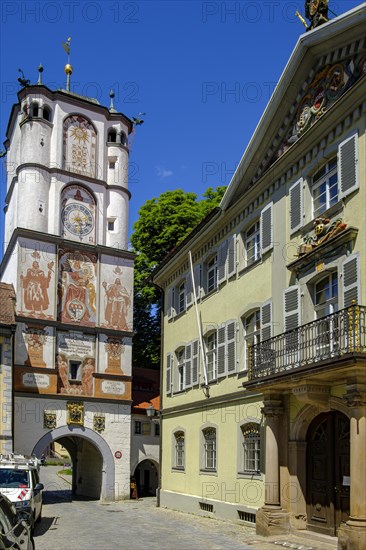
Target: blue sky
[(203, 71)]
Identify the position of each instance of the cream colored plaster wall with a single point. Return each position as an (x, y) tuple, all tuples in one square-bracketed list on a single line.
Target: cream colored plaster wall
[(226, 484)]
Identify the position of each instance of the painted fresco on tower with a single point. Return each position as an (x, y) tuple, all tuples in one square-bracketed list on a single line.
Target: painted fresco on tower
[(114, 354), (79, 142), (36, 280), (75, 362), (77, 214), (116, 294), (77, 296), (34, 345)]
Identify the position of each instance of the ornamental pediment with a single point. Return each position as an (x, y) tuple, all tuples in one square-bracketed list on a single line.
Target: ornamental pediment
[(326, 64), (324, 89)]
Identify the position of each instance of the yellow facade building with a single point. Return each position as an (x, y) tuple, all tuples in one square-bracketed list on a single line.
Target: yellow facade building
[(264, 343)]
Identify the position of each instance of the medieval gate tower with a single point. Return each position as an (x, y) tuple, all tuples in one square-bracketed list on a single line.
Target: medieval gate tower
[(66, 255)]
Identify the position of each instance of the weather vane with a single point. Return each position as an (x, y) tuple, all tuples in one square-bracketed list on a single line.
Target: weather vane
[(68, 67)]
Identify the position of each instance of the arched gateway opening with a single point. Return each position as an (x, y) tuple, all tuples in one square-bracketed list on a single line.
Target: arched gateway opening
[(146, 476), (328, 471), (92, 460)]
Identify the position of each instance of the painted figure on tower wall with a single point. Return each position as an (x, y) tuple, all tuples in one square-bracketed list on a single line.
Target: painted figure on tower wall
[(117, 305), (77, 288), (34, 288)]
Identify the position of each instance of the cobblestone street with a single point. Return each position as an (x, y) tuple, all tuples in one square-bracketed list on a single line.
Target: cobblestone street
[(86, 524)]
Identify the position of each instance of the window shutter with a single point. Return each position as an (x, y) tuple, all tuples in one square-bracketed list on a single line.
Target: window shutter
[(197, 271), (291, 308), (351, 280), (221, 262), (188, 366), (348, 166), (296, 212), (171, 304), (189, 290), (266, 321), (231, 346), (231, 267), (221, 350), (195, 362), (169, 361), (267, 228)]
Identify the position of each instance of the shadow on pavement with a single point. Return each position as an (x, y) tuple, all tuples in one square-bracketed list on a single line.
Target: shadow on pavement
[(44, 525)]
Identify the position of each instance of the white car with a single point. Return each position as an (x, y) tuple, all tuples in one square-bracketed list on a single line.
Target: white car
[(19, 482)]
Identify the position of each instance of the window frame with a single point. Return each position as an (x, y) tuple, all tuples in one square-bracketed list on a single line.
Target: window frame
[(180, 356), (209, 446), (179, 454), (252, 454), (256, 238), (211, 268), (331, 169), (213, 351), (256, 334)]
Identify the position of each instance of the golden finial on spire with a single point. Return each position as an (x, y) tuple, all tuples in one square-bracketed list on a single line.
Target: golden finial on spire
[(68, 67)]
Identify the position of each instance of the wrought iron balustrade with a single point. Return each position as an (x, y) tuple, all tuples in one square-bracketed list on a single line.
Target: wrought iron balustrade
[(333, 336)]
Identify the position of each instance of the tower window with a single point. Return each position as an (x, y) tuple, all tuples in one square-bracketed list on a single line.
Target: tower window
[(46, 113), (111, 225), (112, 164), (74, 370), (112, 136), (35, 110)]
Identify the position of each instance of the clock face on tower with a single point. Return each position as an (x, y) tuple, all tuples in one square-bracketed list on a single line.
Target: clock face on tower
[(77, 219)]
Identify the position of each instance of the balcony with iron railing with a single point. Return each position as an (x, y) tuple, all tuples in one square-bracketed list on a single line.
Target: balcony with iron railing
[(338, 335)]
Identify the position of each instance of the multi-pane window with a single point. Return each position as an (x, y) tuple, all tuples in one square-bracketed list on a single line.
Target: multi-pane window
[(325, 187), (209, 435), (326, 295), (137, 427), (179, 449), (211, 356), (211, 274), (251, 448), (326, 303), (180, 359), (181, 297), (252, 244), (252, 334)]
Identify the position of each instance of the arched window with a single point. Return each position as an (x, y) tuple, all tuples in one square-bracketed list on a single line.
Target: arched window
[(34, 109), (112, 135), (179, 450), (124, 140), (209, 447), (251, 448), (46, 113)]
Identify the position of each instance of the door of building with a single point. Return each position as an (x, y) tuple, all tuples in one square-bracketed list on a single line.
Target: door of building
[(328, 470)]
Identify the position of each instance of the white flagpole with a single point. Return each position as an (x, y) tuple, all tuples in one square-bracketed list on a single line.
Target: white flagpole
[(198, 321)]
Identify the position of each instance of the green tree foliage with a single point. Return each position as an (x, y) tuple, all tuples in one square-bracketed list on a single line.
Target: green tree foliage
[(163, 223)]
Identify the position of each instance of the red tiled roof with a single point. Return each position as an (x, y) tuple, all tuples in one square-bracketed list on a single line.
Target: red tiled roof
[(7, 304)]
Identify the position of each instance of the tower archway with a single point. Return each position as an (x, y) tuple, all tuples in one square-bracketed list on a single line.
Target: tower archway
[(93, 463)]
